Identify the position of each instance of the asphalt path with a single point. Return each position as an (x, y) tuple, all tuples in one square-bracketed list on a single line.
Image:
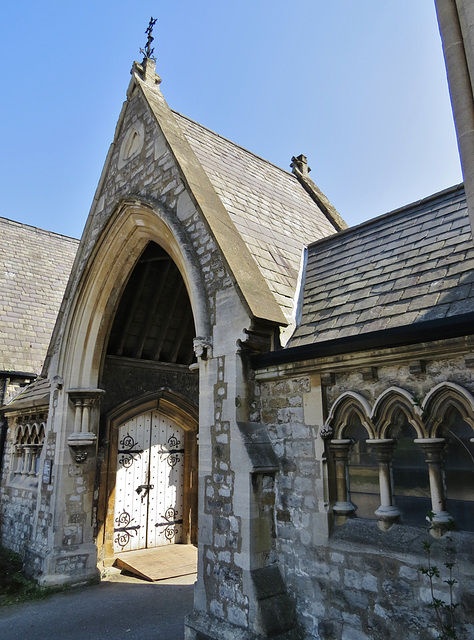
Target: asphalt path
[(120, 607)]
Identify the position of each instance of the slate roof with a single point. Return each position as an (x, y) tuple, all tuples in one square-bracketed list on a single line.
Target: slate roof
[(412, 265), (271, 210), (34, 270), (35, 394)]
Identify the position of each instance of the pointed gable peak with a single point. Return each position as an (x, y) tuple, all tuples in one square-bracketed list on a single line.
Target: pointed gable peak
[(146, 71)]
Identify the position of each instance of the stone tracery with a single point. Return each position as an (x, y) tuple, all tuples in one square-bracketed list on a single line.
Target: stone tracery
[(28, 442), (394, 416)]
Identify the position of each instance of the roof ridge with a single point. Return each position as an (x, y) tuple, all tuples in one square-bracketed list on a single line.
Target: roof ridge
[(30, 226), (393, 213), (254, 288), (235, 144)]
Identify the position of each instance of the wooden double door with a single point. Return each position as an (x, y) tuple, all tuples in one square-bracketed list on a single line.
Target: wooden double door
[(149, 487)]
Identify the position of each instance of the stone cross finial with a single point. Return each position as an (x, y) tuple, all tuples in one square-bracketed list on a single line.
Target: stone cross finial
[(148, 51), (300, 163)]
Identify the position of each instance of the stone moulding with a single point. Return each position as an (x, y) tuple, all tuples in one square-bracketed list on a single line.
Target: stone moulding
[(79, 443)]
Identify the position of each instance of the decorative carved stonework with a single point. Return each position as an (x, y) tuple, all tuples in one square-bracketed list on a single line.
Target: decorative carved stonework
[(29, 438), (326, 432), (83, 436), (79, 442), (80, 455), (370, 373), (418, 366), (202, 347), (255, 341)]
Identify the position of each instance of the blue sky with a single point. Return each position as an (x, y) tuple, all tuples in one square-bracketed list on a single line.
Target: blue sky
[(358, 86)]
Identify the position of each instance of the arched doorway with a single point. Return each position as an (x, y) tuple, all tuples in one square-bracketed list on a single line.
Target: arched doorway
[(152, 441), (149, 413)]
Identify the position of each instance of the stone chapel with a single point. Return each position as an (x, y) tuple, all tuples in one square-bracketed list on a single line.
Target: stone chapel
[(222, 362)]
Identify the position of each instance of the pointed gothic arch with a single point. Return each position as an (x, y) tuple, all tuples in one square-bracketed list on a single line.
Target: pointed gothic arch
[(104, 278), (388, 404), (132, 230), (344, 407), (441, 399)]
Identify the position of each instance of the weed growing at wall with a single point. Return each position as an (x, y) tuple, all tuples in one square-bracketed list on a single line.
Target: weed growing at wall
[(14, 586), (444, 611)]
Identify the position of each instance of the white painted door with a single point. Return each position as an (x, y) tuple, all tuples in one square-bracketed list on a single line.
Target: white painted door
[(149, 484)]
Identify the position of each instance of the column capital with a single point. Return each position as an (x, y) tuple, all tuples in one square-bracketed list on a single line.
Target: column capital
[(433, 448), (341, 448), (382, 448)]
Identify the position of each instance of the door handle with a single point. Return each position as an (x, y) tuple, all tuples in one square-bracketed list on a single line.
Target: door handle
[(145, 488)]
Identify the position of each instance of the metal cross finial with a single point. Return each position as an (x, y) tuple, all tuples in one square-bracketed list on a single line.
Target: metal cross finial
[(148, 51)]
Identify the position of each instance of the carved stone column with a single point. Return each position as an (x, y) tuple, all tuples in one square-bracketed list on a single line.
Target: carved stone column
[(18, 451), (83, 435), (28, 455), (434, 449), (340, 450), (35, 448), (383, 451)]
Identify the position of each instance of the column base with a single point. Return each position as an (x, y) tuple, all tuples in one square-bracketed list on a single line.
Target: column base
[(343, 508), (440, 518), (71, 568), (387, 513), (387, 516)]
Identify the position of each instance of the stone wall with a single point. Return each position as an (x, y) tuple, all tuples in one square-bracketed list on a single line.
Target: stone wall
[(415, 376), (26, 499), (18, 498), (350, 579), (124, 380)]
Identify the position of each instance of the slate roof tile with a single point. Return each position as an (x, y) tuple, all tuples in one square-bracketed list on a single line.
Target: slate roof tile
[(34, 269), (267, 205), (462, 306), (374, 325), (36, 393), (414, 264), (369, 314)]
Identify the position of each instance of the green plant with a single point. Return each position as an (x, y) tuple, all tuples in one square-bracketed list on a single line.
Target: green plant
[(14, 585), (446, 622)]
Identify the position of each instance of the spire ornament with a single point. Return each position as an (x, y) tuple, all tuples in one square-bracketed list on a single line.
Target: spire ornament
[(148, 51)]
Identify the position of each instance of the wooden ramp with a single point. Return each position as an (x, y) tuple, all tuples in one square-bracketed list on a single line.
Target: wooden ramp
[(160, 563)]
